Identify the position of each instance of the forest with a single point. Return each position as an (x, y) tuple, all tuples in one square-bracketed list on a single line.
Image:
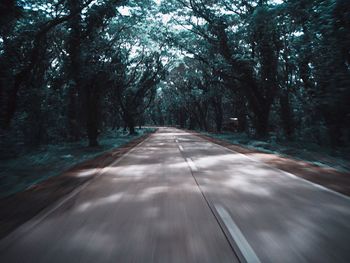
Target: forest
[(74, 69)]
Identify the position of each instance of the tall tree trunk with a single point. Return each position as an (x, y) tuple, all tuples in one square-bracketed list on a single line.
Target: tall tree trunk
[(241, 114), (192, 123), (286, 115), (261, 122), (73, 109), (129, 121), (218, 121), (74, 69), (131, 126), (218, 113), (182, 118), (92, 114)]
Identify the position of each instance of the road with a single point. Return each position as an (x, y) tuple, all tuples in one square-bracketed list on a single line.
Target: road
[(179, 198)]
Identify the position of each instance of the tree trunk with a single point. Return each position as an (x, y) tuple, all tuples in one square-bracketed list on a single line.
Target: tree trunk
[(92, 114), (132, 129), (92, 135), (130, 124), (261, 123), (218, 121), (74, 68), (241, 114), (182, 118), (286, 115), (218, 112), (73, 127), (191, 124)]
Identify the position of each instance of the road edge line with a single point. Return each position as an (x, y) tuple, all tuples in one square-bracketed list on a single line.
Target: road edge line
[(26, 227), (284, 172)]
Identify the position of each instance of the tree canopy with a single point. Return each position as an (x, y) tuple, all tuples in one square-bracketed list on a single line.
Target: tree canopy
[(71, 69)]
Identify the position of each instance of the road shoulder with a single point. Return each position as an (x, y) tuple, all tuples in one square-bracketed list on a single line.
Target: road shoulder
[(324, 176), (19, 208)]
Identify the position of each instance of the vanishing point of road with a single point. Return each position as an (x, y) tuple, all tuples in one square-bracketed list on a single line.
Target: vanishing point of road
[(179, 198)]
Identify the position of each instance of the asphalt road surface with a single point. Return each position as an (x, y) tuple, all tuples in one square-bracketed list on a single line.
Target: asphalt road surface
[(179, 198)]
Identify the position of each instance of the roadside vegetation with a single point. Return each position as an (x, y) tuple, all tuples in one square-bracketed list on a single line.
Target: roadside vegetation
[(31, 168), (73, 70), (312, 153)]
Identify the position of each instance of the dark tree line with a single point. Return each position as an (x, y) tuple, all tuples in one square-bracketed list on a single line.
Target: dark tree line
[(71, 69), (277, 67)]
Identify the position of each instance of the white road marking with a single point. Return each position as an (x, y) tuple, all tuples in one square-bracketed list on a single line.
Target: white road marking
[(236, 234), (181, 148), (192, 165), (36, 220), (316, 185), (286, 173)]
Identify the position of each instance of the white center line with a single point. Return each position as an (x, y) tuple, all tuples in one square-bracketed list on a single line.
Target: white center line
[(192, 165), (181, 148), (237, 236)]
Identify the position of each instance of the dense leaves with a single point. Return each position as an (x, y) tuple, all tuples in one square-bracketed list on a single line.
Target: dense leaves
[(61, 64), (71, 69), (284, 65)]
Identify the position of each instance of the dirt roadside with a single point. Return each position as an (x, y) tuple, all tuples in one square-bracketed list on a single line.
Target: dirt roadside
[(21, 207), (327, 177)]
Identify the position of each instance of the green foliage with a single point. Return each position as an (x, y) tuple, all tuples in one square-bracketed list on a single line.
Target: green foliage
[(73, 68), (285, 66)]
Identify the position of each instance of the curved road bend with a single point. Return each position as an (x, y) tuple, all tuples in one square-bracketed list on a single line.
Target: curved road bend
[(179, 198)]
